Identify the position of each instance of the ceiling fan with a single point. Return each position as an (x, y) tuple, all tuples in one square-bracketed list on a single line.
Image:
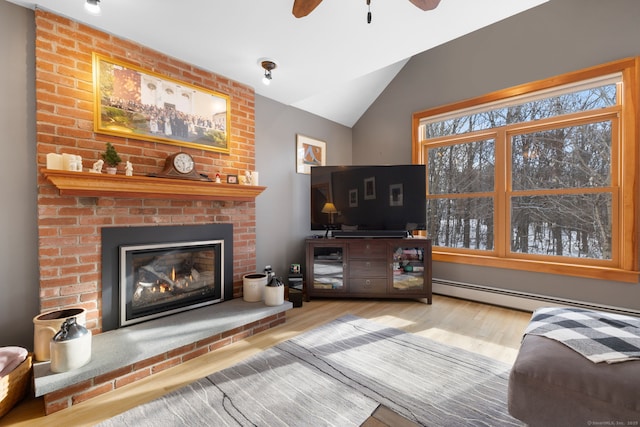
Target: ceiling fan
[(302, 8)]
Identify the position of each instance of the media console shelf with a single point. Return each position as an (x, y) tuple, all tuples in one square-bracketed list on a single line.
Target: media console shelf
[(368, 268)]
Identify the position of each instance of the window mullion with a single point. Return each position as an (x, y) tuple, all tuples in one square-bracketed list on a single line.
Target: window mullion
[(501, 189)]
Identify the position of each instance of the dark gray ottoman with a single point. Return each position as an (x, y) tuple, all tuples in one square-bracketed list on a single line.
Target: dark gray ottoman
[(552, 385)]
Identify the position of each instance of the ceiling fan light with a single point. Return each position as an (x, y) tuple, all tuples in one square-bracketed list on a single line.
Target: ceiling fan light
[(92, 7)]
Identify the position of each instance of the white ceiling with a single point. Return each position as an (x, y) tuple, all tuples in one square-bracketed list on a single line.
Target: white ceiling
[(330, 63)]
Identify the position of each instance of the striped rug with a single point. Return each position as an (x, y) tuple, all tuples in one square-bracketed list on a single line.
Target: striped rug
[(337, 375)]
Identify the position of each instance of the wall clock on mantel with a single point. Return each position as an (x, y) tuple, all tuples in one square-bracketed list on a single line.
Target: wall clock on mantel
[(181, 166)]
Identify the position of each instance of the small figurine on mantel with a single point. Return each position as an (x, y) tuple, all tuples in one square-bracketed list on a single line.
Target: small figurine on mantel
[(97, 166), (247, 174), (128, 169), (218, 180)]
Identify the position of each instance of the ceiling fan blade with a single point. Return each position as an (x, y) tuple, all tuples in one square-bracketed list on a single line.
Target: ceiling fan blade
[(304, 7), (426, 4)]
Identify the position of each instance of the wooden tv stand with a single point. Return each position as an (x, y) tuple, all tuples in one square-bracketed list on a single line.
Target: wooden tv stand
[(368, 268)]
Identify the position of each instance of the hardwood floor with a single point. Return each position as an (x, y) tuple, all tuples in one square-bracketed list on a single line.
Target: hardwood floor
[(485, 329)]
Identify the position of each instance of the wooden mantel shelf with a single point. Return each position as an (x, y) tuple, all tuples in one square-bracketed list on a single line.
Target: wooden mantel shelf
[(102, 185)]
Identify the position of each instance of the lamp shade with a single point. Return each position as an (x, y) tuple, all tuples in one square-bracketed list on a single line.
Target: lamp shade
[(329, 208)]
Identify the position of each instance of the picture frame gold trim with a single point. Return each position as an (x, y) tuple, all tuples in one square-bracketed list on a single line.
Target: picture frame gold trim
[(309, 152), (135, 103)]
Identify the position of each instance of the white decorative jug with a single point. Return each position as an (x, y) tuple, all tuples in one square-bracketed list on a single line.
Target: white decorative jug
[(70, 347), (274, 292)]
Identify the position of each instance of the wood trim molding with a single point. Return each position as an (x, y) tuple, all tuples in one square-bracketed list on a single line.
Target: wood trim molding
[(625, 117), (89, 184)]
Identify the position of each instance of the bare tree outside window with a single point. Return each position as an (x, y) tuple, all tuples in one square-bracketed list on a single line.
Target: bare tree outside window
[(557, 182)]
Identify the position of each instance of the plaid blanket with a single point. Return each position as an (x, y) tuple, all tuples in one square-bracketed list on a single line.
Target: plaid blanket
[(598, 336)]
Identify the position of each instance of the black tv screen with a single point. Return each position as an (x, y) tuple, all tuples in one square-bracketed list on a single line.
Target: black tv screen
[(368, 198)]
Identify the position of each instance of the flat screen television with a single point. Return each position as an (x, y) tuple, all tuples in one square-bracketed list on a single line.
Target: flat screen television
[(368, 201)]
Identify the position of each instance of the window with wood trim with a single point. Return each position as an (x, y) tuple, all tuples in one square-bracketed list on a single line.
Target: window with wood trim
[(540, 177)]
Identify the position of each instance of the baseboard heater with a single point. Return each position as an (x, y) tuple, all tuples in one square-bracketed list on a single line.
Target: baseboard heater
[(515, 299)]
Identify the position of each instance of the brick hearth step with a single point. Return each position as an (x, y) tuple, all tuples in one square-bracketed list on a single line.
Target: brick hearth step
[(124, 355)]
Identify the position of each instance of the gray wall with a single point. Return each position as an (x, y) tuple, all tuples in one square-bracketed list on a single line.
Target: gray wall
[(554, 38), (283, 221), (19, 301)]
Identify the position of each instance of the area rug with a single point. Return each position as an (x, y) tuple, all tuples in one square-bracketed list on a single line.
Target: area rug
[(337, 375)]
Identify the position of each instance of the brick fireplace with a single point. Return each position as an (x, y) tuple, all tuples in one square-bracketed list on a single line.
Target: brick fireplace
[(70, 226)]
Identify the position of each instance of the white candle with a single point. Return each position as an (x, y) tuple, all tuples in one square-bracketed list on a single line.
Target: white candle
[(68, 161), (54, 161)]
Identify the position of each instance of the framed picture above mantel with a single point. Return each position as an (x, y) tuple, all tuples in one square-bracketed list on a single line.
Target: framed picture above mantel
[(135, 103)]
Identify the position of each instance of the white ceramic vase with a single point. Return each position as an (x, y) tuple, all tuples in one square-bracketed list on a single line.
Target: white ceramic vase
[(253, 286)]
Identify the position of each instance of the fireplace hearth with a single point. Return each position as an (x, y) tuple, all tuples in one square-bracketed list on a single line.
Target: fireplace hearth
[(150, 272)]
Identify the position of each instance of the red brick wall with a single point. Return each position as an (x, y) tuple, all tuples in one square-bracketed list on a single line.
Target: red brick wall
[(69, 227)]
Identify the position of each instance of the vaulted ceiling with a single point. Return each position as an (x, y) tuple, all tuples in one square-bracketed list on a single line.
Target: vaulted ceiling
[(331, 63)]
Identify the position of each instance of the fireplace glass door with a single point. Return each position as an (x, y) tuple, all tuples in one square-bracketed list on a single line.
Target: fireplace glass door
[(161, 279)]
